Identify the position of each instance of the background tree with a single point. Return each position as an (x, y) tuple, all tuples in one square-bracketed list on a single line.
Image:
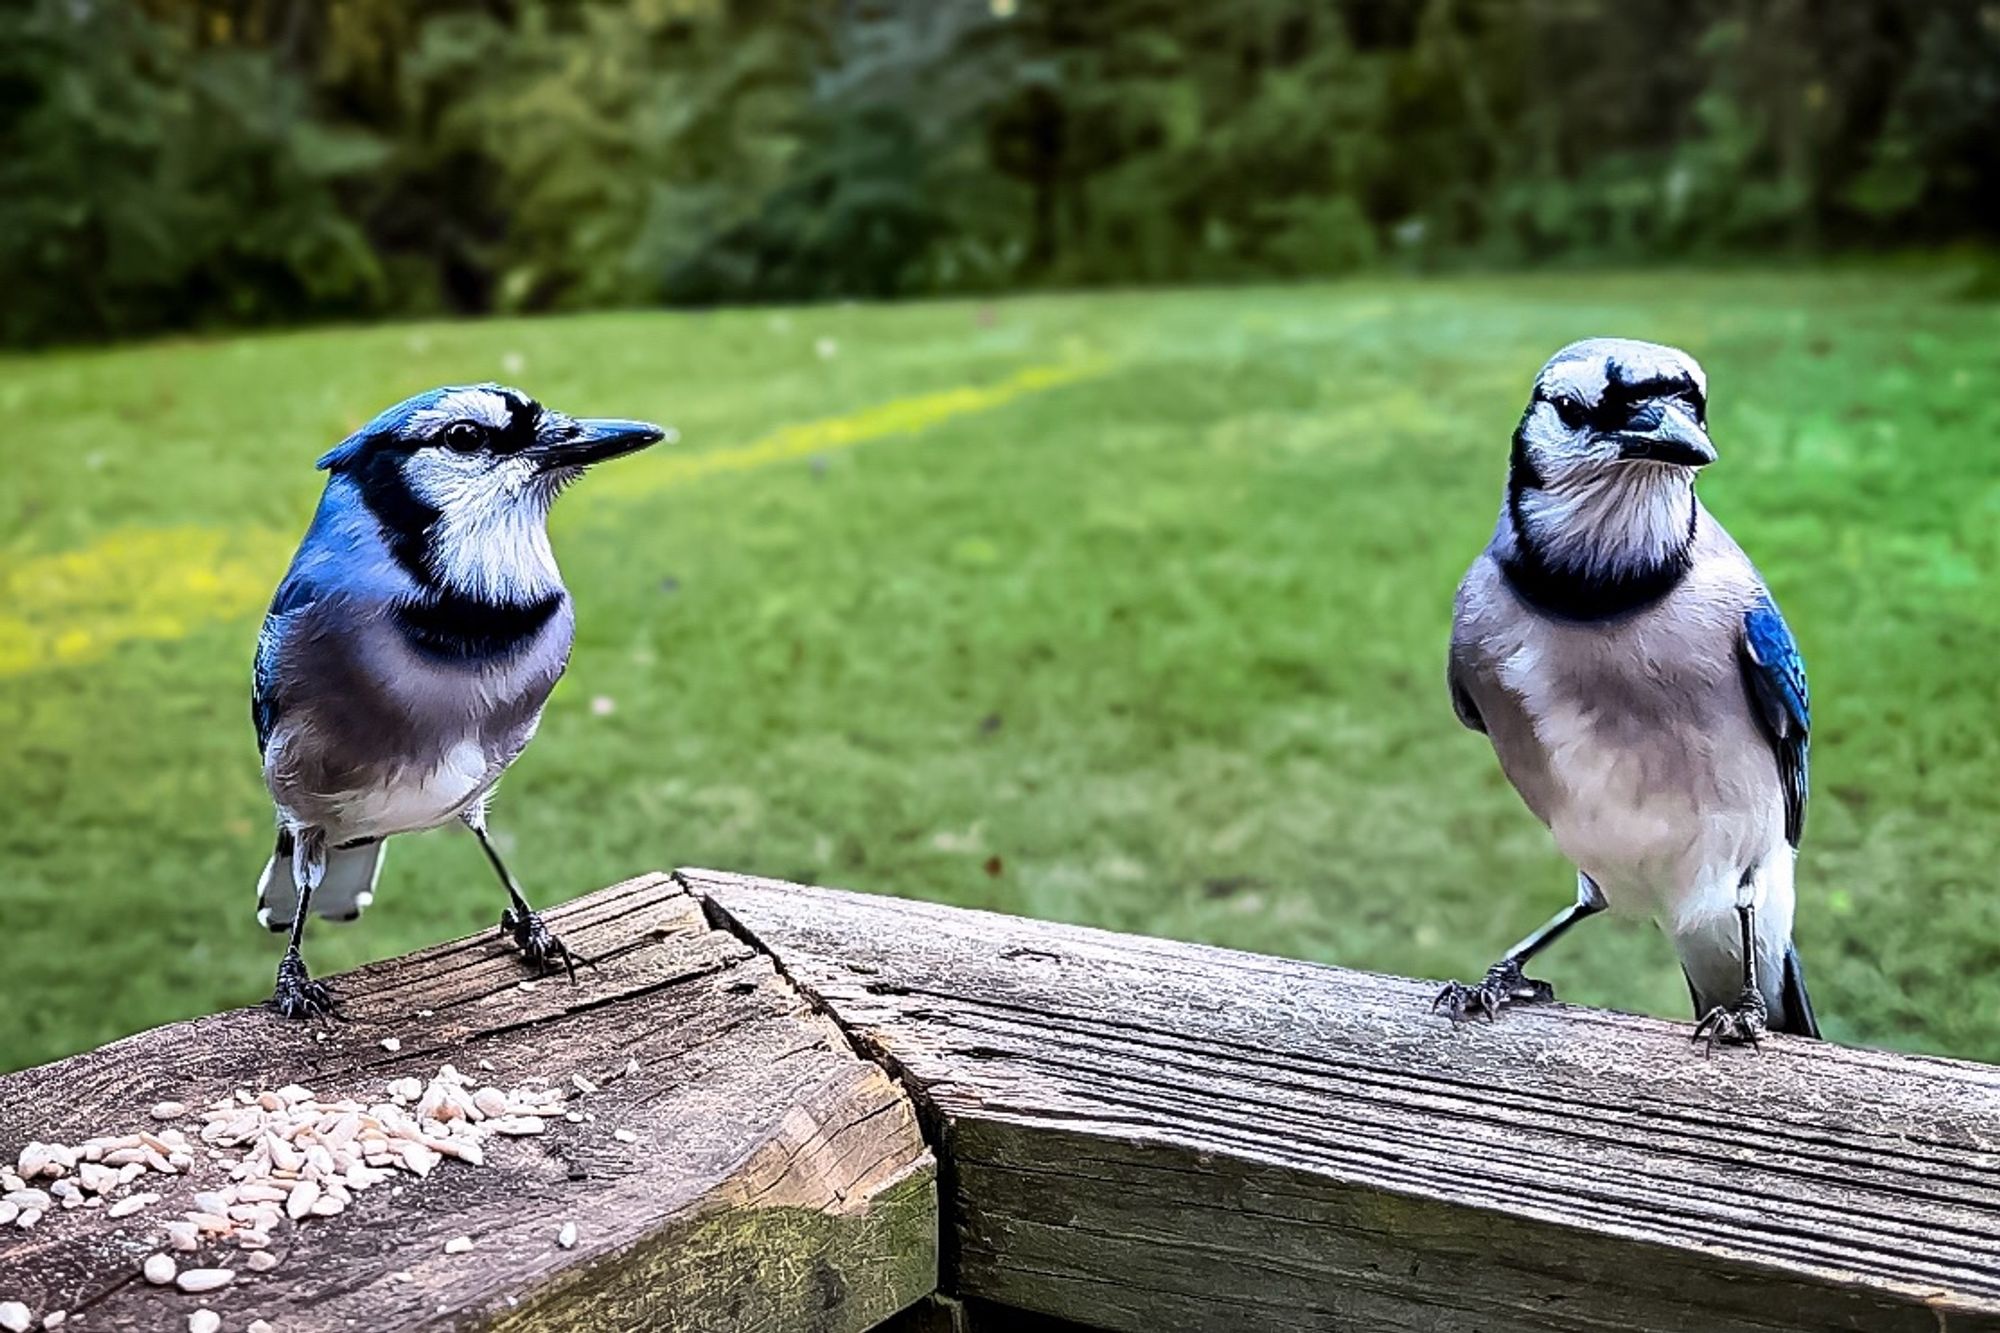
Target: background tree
[(182, 163)]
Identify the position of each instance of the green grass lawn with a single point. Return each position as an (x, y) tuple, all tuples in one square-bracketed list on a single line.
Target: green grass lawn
[(1152, 640)]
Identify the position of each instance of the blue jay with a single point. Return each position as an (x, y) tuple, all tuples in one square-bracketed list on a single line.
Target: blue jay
[(1640, 689), (408, 652)]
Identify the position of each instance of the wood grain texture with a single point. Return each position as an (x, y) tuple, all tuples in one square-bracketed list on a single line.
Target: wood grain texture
[(777, 1182), (1144, 1135), (939, 1313)]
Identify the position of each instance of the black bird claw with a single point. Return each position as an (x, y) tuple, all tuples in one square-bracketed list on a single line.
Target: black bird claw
[(1504, 985), (542, 947), (1737, 1024), (297, 995)]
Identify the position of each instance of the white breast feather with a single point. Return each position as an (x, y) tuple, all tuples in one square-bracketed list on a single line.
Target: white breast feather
[(415, 799), (1668, 852), (1601, 522)]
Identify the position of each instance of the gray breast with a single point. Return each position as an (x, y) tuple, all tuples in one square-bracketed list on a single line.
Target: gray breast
[(1629, 737), (377, 732)]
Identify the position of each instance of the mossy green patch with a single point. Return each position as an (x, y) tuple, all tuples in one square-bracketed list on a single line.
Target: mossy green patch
[(740, 1268)]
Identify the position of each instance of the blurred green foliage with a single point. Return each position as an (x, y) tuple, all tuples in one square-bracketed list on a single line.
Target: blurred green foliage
[(174, 163)]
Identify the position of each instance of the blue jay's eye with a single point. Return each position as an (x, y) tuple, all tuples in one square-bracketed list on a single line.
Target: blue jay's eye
[(464, 436), (1569, 408)]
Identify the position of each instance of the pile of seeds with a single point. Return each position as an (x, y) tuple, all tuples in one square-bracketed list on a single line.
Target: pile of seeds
[(287, 1157), (92, 1173)]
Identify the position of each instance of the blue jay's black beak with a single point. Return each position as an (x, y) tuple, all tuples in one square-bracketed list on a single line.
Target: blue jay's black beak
[(1665, 433), (568, 443)]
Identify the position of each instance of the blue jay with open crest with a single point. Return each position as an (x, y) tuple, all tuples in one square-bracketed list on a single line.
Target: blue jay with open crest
[(1640, 689), (408, 652)]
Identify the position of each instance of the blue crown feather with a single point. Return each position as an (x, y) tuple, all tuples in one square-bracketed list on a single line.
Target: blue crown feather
[(393, 421)]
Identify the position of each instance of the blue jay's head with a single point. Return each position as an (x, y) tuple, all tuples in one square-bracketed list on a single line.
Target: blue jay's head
[(447, 441), (1602, 476), (461, 478), (1608, 404)]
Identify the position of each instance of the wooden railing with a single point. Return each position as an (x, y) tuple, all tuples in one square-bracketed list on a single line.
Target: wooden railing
[(774, 1107)]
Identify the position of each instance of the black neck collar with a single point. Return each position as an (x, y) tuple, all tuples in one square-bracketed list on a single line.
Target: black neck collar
[(451, 627), (1577, 595), (441, 622), (405, 518)]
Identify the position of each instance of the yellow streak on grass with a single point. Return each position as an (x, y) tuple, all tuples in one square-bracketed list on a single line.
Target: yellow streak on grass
[(160, 584), (132, 585), (657, 471)]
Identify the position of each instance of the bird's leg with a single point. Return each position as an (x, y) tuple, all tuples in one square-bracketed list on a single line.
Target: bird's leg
[(542, 947), (297, 995), (1505, 983), (1744, 1020)]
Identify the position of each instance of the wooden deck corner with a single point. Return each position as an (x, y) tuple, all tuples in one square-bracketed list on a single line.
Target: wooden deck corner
[(734, 1167)]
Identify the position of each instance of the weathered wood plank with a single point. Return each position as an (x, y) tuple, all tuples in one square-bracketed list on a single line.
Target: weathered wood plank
[(751, 1173), (1146, 1135), (949, 1314)]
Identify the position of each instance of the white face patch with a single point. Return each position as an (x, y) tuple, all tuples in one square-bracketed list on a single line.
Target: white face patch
[(1633, 516), (1594, 513), (491, 539)]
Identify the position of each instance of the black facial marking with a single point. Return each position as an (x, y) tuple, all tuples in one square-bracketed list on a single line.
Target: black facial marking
[(1521, 471), (519, 433), (445, 626), (1622, 396), (510, 437), (404, 516)]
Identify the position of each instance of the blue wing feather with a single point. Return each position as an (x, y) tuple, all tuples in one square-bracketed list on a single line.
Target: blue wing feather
[(295, 593), (1776, 677), (340, 552)]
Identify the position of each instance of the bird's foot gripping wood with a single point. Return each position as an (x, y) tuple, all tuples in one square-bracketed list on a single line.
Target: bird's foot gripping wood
[(1740, 1023), (297, 995), (542, 947), (1504, 985)]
